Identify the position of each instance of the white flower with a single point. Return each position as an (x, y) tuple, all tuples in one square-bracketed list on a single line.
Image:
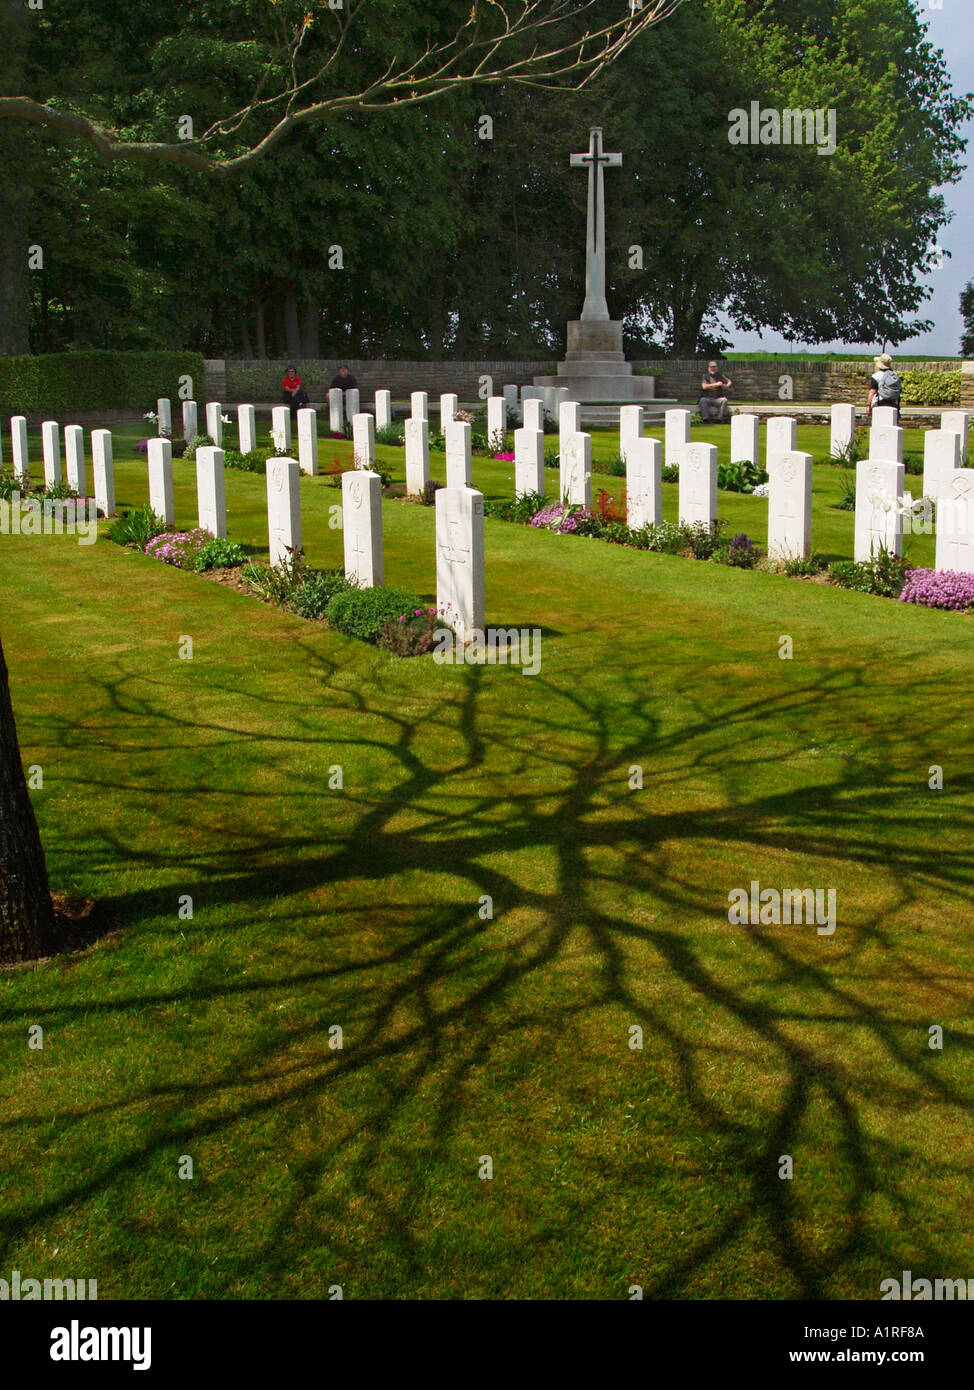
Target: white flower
[(225, 419), (150, 415), (762, 490), (280, 440)]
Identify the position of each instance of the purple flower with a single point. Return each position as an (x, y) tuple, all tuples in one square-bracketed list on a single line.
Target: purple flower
[(947, 589)]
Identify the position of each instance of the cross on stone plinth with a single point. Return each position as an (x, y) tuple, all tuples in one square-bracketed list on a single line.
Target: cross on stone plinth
[(595, 307)]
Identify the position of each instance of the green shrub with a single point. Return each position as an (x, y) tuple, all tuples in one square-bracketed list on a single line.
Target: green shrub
[(218, 554), (798, 566), (137, 527), (518, 509), (884, 574), (847, 502), (58, 383), (411, 634), (311, 597), (392, 434), (913, 463), (9, 485), (740, 477), (552, 458), (667, 538), (931, 388), (616, 467), (198, 441), (59, 492), (670, 473), (363, 613), (701, 540), (253, 462)]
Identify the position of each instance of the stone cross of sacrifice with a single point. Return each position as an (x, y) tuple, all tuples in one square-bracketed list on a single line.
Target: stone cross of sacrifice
[(595, 306)]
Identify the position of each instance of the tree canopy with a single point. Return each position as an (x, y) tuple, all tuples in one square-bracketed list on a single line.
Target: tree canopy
[(460, 236)]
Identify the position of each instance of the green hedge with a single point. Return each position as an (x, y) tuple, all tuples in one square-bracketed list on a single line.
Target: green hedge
[(931, 388), (58, 383)]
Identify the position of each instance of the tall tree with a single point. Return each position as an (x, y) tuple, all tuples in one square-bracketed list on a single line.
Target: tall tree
[(26, 916), (15, 165), (967, 314)]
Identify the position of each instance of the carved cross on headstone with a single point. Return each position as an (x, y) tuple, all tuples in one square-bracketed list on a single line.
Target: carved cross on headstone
[(595, 306)]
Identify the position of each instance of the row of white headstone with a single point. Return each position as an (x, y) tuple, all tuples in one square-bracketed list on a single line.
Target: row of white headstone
[(75, 466)]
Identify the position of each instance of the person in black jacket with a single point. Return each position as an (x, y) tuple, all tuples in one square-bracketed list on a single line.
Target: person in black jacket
[(343, 381)]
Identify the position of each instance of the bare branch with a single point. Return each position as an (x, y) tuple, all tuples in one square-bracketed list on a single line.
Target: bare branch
[(476, 56)]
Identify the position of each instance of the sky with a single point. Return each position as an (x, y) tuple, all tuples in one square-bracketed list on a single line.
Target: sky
[(951, 28)]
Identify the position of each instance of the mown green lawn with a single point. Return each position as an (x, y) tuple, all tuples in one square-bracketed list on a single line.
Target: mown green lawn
[(509, 1037)]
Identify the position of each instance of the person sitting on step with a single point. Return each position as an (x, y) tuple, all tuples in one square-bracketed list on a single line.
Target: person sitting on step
[(294, 394), (713, 404)]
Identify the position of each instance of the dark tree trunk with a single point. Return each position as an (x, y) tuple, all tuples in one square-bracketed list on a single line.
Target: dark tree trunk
[(245, 344), (687, 321), (292, 328), (26, 915), (310, 338), (14, 189), (261, 334)]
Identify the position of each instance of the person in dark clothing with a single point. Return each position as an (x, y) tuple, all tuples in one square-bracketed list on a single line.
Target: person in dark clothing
[(343, 381), (294, 393)]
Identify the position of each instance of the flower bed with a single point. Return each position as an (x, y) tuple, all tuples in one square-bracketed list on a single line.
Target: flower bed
[(939, 589)]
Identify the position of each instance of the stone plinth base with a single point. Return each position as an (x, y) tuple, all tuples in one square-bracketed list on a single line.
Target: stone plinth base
[(595, 367)]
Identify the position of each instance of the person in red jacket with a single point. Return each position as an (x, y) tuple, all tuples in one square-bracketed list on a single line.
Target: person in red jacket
[(294, 394)]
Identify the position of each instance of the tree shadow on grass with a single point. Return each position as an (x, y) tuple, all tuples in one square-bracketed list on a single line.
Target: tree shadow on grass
[(433, 1000)]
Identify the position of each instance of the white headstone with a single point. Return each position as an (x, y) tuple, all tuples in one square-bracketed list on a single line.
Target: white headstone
[(879, 492), (417, 456), (569, 419), (630, 428), (214, 422), (957, 420), (283, 508), (211, 504), (513, 405), (533, 412), (790, 507), (190, 420), (383, 409), (460, 559), (843, 429), (644, 477), (51, 442), (782, 438), (562, 394), (883, 417), (74, 459), (336, 418), (677, 436), (496, 420), (363, 440), (353, 402), (549, 399), (246, 428), (21, 454), (164, 415), (531, 393), (103, 468), (528, 462), (308, 440), (745, 438), (886, 443), (419, 405), (698, 484), (576, 469), (941, 457), (160, 480), (955, 524), (449, 405), (459, 463), (281, 429), (362, 527)]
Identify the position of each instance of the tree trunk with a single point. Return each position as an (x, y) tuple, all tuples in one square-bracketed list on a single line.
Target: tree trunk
[(310, 339), (292, 329), (261, 334), (14, 189), (26, 915), (687, 321), (245, 344)]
